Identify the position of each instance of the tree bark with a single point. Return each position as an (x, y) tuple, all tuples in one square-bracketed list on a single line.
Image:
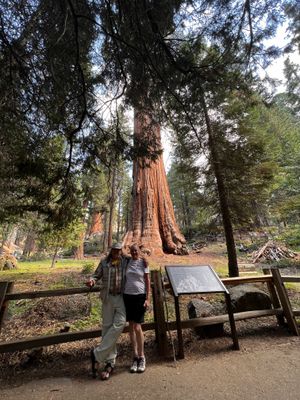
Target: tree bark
[(54, 256), (119, 217), (104, 241), (79, 250), (228, 229), (111, 208), (96, 223), (152, 226), (30, 244)]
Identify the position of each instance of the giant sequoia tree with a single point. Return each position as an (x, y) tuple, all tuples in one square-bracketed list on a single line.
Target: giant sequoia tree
[(153, 224), (56, 59), (193, 69)]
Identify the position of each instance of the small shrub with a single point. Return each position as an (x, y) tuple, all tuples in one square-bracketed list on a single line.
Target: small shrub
[(290, 235), (88, 268), (36, 257), (92, 247), (286, 263)]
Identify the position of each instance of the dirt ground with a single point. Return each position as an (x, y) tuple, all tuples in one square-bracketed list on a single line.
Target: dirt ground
[(266, 367)]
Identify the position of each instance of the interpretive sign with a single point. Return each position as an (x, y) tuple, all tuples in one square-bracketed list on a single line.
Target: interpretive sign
[(192, 279), (188, 279)]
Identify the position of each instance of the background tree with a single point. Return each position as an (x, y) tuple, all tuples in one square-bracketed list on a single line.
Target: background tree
[(149, 56), (56, 239)]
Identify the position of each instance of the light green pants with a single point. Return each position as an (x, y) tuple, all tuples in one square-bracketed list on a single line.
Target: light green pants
[(113, 322)]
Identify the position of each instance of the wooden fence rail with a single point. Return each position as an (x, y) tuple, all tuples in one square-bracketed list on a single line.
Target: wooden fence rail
[(29, 343)]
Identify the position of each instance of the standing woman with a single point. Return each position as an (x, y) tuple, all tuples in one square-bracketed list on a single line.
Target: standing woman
[(111, 273), (136, 299)]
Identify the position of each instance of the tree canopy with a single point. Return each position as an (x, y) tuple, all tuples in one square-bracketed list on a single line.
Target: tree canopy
[(67, 66)]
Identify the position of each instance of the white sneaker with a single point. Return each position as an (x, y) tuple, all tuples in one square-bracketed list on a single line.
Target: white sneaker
[(141, 364), (134, 365)]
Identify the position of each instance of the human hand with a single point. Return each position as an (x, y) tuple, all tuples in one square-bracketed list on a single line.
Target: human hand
[(147, 304), (90, 283)]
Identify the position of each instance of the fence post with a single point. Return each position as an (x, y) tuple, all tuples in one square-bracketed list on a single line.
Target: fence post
[(5, 287), (274, 298), (285, 302), (159, 314)]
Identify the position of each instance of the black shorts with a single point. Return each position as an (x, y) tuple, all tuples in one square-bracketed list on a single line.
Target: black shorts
[(134, 304)]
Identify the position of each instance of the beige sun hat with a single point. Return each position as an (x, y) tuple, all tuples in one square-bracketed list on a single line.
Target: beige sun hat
[(117, 246)]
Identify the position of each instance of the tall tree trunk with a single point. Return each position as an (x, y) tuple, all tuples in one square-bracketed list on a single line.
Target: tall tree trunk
[(30, 244), (104, 242), (228, 229), (96, 223), (119, 218), (78, 251), (111, 208), (11, 238), (20, 237), (54, 256), (152, 224), (184, 217)]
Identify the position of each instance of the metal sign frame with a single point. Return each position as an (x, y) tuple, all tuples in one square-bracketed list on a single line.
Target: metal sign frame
[(176, 293)]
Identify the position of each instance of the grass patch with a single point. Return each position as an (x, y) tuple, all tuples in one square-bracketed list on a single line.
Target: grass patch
[(292, 286), (19, 307), (94, 319), (28, 269)]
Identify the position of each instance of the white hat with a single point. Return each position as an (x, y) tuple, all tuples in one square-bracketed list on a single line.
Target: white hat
[(117, 246)]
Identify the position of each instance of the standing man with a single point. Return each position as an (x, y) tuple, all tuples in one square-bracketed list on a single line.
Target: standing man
[(111, 272)]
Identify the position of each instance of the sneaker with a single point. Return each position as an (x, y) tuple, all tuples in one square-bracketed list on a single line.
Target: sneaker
[(141, 364), (134, 366)]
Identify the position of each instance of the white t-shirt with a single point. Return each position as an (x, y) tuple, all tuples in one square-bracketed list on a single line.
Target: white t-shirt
[(135, 279)]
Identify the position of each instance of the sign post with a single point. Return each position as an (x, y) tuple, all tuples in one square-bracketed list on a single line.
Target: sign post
[(197, 279)]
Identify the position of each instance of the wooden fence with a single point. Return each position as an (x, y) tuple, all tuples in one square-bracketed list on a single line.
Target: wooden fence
[(281, 309)]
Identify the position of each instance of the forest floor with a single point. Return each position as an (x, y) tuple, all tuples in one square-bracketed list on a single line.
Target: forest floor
[(68, 364)]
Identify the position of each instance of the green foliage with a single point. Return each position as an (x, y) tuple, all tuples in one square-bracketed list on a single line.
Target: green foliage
[(184, 189), (39, 256), (291, 236), (286, 263), (67, 237), (94, 319), (88, 268), (192, 63)]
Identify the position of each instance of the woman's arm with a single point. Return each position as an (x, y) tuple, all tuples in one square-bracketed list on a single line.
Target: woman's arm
[(148, 288)]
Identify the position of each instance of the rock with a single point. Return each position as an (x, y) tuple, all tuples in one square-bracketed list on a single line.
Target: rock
[(65, 328), (7, 262), (249, 297), (183, 251), (199, 308), (61, 308), (8, 265), (32, 358)]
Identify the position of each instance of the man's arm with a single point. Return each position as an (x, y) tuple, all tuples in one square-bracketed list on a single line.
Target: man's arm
[(98, 274)]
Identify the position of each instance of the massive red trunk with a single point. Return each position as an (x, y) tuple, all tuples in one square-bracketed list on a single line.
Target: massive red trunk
[(96, 223), (153, 224), (79, 250)]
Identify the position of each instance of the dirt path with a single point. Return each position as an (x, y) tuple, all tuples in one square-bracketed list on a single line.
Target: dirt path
[(265, 374)]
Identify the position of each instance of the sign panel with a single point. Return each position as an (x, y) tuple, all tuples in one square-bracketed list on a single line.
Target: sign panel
[(188, 279)]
